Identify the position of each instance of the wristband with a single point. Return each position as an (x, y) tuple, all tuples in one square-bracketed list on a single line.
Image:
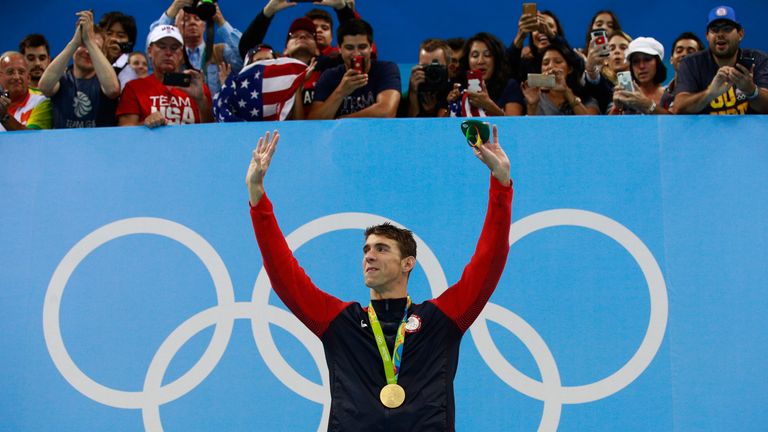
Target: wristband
[(754, 94)]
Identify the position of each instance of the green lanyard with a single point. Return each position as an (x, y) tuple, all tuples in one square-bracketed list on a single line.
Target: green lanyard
[(391, 363)]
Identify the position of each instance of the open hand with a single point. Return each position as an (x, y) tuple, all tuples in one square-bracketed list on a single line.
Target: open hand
[(260, 160), (494, 157)]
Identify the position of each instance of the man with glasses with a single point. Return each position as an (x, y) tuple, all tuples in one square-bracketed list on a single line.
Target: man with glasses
[(166, 96), (725, 79)]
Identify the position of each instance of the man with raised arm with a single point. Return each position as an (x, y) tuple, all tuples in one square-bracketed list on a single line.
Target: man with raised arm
[(391, 364)]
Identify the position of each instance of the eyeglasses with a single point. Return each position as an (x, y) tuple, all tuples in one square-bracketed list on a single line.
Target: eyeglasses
[(725, 28)]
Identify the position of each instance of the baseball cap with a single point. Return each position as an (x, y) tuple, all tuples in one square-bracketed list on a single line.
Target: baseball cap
[(646, 45), (722, 13), (164, 31), (302, 23)]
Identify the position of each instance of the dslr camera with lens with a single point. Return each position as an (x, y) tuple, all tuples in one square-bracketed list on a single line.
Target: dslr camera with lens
[(205, 9), (435, 78)]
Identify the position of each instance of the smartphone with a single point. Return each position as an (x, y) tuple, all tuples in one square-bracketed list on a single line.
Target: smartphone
[(624, 81), (474, 78), (476, 132), (177, 79), (529, 8), (357, 63), (599, 42), (747, 61), (541, 80)]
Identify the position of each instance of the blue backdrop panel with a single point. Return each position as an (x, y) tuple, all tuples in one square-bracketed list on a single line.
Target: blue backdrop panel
[(134, 298)]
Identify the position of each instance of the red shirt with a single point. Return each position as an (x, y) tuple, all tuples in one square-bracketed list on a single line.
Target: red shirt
[(144, 96)]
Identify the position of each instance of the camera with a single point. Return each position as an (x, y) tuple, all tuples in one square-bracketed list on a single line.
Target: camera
[(435, 78), (4, 92), (205, 9)]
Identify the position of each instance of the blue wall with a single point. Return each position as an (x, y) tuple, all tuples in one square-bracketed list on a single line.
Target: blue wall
[(634, 289), (400, 25)]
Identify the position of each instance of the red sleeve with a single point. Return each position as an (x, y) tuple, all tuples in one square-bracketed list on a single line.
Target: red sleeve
[(129, 102), (313, 307), (464, 301)]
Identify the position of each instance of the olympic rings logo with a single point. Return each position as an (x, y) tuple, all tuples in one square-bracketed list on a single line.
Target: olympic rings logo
[(261, 314)]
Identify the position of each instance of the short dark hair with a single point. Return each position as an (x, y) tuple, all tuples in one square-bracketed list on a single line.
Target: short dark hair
[(661, 70), (319, 14), (456, 43), (432, 45), (401, 236), (34, 40), (354, 27), (685, 36), (127, 21)]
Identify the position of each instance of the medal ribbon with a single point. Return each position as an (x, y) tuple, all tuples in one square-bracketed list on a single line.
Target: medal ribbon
[(391, 363)]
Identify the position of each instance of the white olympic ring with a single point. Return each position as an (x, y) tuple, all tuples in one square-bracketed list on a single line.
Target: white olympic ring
[(261, 314)]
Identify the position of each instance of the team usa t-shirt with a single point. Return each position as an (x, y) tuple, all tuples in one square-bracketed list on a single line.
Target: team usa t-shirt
[(144, 96)]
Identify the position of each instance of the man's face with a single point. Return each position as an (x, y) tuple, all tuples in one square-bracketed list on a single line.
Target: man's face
[(166, 55), (37, 60), (323, 33), (383, 265), (356, 45), (683, 48), (724, 38), (437, 55), (191, 28), (301, 43), (115, 35), (453, 68), (82, 58), (14, 75)]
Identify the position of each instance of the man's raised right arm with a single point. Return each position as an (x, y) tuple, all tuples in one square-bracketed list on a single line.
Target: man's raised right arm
[(313, 307)]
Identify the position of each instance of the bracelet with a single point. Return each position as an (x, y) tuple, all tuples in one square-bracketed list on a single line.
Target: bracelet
[(754, 94), (652, 108)]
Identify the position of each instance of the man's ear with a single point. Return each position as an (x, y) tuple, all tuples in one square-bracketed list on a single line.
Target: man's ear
[(408, 263)]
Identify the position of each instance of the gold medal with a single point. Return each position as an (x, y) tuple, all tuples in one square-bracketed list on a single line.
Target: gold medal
[(392, 395)]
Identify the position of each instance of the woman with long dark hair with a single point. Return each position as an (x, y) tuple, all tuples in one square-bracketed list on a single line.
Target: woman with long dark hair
[(567, 97), (497, 94)]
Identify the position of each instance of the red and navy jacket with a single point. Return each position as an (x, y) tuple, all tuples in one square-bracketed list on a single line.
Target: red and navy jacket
[(433, 334)]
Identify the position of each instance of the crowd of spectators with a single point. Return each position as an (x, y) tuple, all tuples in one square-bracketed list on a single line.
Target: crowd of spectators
[(178, 75)]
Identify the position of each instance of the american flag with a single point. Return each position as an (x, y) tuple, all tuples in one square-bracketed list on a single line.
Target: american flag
[(263, 90), (462, 108)]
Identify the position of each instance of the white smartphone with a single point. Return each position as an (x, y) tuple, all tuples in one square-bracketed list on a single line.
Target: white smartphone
[(541, 80), (624, 81)]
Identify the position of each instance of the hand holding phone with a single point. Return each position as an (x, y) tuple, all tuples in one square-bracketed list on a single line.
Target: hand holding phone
[(177, 79), (599, 41), (747, 61), (624, 81), (541, 80), (358, 63), (474, 80)]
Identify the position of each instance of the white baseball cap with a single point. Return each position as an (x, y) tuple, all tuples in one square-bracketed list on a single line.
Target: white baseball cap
[(646, 45), (164, 31)]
